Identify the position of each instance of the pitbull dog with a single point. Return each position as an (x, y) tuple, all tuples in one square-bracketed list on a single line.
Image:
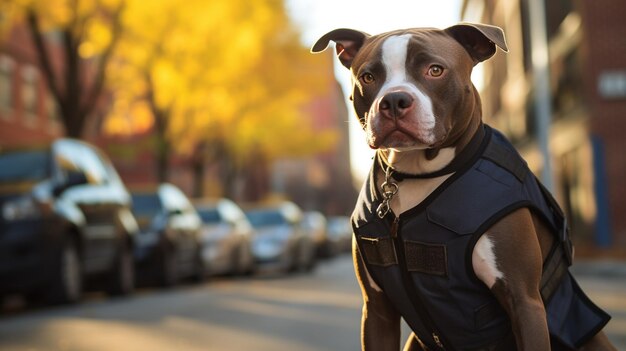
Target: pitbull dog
[(419, 109)]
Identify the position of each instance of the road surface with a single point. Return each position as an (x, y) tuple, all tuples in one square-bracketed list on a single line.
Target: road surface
[(305, 312)]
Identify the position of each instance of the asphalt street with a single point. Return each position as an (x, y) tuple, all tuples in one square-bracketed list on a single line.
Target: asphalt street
[(308, 312)]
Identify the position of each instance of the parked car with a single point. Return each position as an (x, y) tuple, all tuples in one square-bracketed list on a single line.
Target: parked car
[(65, 223), (168, 246), (226, 237), (315, 226), (279, 239), (340, 234)]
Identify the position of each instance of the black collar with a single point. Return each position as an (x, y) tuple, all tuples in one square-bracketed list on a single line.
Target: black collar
[(457, 163)]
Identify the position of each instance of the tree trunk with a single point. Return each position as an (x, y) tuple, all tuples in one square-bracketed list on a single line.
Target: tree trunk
[(227, 173), (163, 149), (197, 170), (75, 99), (198, 179)]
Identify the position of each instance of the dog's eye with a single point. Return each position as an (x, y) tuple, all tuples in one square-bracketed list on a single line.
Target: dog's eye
[(367, 78), (435, 71)]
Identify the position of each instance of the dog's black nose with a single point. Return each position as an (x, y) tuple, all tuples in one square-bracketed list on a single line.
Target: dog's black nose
[(396, 104)]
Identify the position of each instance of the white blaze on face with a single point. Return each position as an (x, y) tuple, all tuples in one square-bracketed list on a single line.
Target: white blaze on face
[(394, 58), (394, 52)]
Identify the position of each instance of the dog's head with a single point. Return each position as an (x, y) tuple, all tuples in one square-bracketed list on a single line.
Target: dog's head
[(412, 88)]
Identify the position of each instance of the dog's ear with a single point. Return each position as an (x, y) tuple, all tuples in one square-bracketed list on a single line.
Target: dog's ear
[(348, 43), (480, 40)]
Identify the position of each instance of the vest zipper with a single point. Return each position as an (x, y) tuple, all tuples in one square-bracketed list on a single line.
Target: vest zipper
[(394, 227), (415, 297)]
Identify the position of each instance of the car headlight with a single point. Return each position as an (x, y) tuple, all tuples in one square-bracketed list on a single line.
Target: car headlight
[(24, 207)]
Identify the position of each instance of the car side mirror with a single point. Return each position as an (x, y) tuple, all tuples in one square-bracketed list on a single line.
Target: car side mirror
[(74, 178)]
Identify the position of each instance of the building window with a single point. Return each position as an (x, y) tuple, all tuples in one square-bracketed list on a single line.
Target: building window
[(6, 84), (576, 178), (30, 94), (567, 93)]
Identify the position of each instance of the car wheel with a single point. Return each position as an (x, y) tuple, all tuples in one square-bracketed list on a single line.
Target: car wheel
[(199, 272), (311, 260), (292, 259), (67, 286), (246, 265), (304, 256), (123, 273), (169, 268)]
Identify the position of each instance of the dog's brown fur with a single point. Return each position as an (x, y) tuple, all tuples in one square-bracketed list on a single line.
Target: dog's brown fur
[(520, 242)]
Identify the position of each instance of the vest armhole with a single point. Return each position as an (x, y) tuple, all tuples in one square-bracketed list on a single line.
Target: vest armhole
[(483, 229)]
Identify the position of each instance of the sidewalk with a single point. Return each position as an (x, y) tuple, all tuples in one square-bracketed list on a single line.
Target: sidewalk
[(599, 268)]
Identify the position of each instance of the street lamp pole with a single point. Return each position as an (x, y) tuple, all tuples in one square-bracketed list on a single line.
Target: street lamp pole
[(541, 87)]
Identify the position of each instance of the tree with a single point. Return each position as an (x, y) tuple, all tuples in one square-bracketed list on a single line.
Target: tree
[(87, 31), (213, 74)]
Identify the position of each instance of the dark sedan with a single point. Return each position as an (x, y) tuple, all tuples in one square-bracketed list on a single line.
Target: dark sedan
[(168, 247), (226, 237), (65, 223), (280, 242)]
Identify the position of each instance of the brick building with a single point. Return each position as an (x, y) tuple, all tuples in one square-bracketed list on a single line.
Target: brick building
[(28, 112), (587, 75)]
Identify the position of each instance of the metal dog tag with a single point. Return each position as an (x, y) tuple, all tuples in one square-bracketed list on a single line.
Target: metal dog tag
[(389, 189)]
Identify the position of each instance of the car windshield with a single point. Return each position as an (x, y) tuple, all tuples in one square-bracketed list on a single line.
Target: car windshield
[(263, 218), (24, 166), (146, 205), (209, 215)]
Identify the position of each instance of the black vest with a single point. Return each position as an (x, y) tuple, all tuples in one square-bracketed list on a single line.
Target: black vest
[(423, 259)]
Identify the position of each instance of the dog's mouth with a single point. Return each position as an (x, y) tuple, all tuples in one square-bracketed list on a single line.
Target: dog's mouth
[(399, 138)]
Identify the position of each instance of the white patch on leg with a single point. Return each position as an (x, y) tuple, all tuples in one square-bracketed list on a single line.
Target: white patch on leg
[(484, 261)]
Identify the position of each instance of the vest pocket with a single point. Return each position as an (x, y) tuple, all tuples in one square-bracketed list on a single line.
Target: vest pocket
[(426, 258), (378, 251)]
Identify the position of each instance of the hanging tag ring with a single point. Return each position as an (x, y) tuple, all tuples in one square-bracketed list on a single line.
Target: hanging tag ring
[(389, 189)]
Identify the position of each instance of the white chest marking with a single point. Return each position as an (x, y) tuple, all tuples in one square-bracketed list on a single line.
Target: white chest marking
[(413, 191), (394, 59), (484, 261)]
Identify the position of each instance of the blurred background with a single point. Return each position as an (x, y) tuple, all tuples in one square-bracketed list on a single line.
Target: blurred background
[(213, 144)]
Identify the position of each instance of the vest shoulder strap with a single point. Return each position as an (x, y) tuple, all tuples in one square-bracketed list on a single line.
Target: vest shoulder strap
[(506, 158)]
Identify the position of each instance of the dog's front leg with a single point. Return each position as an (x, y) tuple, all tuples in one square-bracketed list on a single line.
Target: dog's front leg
[(380, 323), (508, 259)]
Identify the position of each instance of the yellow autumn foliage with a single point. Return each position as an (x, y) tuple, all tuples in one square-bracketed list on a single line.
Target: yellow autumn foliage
[(230, 72), (226, 71)]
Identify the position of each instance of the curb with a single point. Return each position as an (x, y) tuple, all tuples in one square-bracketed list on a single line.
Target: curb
[(603, 268)]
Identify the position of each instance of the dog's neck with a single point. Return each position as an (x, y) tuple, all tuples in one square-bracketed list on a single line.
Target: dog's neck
[(411, 192), (418, 161)]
